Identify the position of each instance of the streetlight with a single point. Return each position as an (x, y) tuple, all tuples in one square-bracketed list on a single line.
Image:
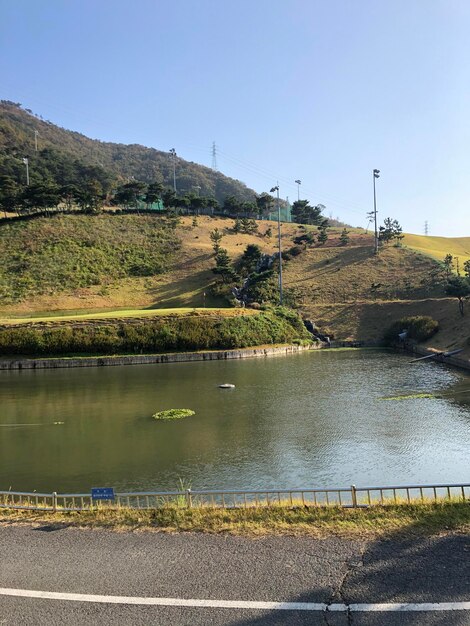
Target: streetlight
[(276, 188), (36, 133), (26, 162), (375, 174), (173, 158), (299, 182)]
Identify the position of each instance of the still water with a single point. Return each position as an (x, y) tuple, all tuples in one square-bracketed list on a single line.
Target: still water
[(312, 419)]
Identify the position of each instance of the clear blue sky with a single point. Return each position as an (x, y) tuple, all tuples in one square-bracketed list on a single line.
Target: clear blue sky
[(323, 91)]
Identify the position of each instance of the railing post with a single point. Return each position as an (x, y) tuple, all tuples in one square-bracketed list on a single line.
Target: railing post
[(189, 499), (54, 501), (354, 496)]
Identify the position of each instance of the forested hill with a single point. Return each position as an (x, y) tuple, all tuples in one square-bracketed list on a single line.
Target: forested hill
[(65, 156)]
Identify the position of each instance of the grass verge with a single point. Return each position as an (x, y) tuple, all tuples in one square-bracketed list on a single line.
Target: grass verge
[(380, 520)]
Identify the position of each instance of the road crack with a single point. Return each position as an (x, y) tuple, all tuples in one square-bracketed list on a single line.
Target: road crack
[(337, 594)]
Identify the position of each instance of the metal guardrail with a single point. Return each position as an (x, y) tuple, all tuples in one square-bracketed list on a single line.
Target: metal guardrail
[(351, 497)]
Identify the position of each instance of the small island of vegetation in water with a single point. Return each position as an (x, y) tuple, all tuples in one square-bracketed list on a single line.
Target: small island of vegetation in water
[(173, 414), (412, 396)]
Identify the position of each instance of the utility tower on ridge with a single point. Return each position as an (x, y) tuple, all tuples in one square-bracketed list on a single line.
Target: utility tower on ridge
[(214, 157), (426, 228)]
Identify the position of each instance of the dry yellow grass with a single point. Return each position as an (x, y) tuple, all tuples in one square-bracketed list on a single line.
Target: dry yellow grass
[(367, 320), (332, 274), (439, 247), (404, 519), (183, 286), (333, 284)]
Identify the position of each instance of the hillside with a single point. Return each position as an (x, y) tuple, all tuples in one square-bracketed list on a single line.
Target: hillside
[(73, 262), (439, 247), (76, 262), (64, 156), (55, 264), (110, 262)]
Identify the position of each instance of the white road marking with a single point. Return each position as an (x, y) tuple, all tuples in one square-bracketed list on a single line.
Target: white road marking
[(236, 604), (411, 606)]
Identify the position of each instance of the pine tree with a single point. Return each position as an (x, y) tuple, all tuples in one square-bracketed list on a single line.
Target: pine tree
[(223, 266), (448, 265), (216, 238), (344, 238), (322, 235)]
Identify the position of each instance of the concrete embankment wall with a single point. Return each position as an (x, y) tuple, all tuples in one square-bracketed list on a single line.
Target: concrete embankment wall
[(144, 359)]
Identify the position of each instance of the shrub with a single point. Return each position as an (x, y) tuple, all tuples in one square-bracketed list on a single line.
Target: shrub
[(303, 342), (165, 334), (295, 250), (308, 238), (419, 327)]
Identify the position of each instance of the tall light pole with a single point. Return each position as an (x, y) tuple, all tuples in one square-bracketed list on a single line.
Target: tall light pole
[(173, 158), (26, 162), (375, 174), (299, 182), (276, 188), (36, 133)]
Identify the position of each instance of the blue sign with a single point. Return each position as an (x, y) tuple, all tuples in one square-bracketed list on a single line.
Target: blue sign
[(102, 493)]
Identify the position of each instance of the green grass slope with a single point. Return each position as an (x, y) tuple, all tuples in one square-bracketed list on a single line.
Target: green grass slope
[(72, 264), (66, 253)]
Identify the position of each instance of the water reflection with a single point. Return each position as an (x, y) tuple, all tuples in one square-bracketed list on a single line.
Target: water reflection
[(308, 420)]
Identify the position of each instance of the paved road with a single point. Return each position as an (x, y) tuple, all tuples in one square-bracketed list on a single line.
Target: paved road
[(189, 566)]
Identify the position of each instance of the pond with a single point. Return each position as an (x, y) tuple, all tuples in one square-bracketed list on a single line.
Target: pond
[(316, 419)]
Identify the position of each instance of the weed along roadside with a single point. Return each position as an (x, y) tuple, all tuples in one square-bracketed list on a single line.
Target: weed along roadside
[(183, 512)]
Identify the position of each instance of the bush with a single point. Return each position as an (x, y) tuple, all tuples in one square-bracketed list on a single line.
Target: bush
[(308, 238), (165, 334), (295, 250), (303, 342), (419, 327)]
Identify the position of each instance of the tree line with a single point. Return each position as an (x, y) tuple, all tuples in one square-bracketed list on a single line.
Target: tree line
[(91, 193)]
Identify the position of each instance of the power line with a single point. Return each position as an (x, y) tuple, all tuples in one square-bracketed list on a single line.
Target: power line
[(344, 204), (341, 204)]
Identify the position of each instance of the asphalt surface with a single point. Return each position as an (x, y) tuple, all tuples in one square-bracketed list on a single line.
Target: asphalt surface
[(195, 566)]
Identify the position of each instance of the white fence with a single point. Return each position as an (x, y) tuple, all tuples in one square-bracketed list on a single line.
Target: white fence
[(352, 497)]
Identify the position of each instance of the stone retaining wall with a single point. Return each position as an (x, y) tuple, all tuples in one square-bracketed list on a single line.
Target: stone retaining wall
[(144, 359)]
